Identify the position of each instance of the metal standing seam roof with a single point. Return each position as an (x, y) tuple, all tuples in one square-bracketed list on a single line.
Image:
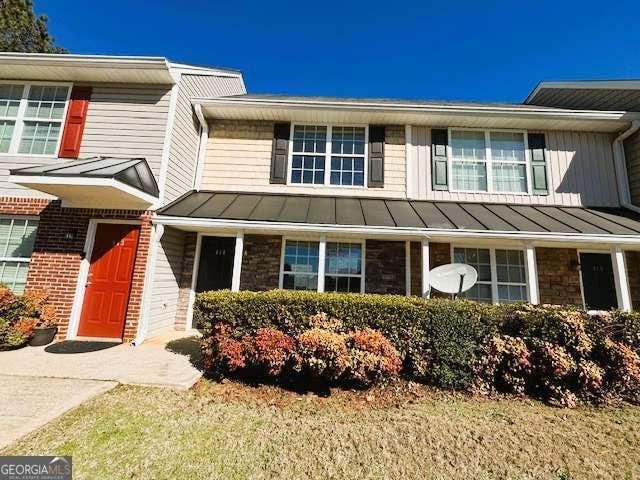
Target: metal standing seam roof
[(134, 172), (377, 212)]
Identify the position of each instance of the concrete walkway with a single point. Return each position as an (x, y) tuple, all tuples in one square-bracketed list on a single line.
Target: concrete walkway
[(148, 364), (28, 403)]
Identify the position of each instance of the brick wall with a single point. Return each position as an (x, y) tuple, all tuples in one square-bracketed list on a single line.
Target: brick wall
[(385, 266), (633, 272), (558, 277), (55, 262), (261, 262), (184, 282)]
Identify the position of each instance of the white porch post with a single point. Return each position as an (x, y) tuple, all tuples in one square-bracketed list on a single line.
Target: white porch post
[(532, 274), (407, 267), (426, 288), (620, 276), (237, 262), (322, 253)]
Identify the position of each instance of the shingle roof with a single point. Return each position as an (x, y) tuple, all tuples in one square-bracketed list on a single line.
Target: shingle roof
[(377, 212), (134, 172)]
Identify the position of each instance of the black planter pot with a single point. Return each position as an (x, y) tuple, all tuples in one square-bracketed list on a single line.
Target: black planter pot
[(43, 336)]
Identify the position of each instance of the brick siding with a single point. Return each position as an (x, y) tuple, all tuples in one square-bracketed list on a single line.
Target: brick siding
[(385, 266), (261, 262), (55, 262), (558, 276)]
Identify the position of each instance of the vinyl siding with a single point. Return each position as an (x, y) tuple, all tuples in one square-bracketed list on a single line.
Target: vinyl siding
[(165, 287), (579, 166), (184, 138), (122, 120), (632, 155), (239, 158)]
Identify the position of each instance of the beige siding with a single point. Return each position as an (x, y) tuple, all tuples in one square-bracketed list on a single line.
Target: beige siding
[(127, 121), (632, 155), (580, 166), (184, 138), (239, 158), (165, 287)]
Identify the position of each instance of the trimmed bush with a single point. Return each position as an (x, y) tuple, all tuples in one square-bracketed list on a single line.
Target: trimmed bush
[(556, 353), (21, 314)]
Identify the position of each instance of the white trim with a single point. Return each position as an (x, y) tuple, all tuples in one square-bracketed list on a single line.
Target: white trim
[(194, 280), (166, 143), (237, 262), (147, 289), (83, 182), (396, 232), (201, 154), (619, 264), (426, 281), (532, 274), (585, 84), (327, 155), (83, 273), (407, 267), (322, 257), (620, 165)]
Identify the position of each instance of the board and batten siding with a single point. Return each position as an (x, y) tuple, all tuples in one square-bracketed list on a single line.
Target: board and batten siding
[(579, 165), (183, 151), (166, 281), (632, 156), (239, 159), (123, 120)]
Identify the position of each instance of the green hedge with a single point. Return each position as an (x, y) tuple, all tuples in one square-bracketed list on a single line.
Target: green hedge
[(437, 338)]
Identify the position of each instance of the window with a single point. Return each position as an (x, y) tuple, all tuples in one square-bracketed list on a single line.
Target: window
[(17, 237), (489, 161), (509, 282), (343, 267), (340, 148), (31, 118), (300, 265)]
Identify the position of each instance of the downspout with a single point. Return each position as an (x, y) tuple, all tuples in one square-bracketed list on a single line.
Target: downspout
[(620, 165), (202, 145)]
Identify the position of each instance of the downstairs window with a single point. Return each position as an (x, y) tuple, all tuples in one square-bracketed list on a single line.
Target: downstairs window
[(17, 238)]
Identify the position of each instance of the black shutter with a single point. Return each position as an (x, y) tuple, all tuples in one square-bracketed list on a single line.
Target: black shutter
[(538, 159), (280, 152), (376, 156), (439, 165)]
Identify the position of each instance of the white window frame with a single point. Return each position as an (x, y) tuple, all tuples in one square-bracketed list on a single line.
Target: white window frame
[(362, 244), (20, 118), (488, 160), (494, 267), (322, 257), (328, 155), (25, 260)]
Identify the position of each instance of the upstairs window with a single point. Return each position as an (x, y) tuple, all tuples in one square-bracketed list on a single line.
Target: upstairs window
[(31, 117), (328, 155), (489, 161)]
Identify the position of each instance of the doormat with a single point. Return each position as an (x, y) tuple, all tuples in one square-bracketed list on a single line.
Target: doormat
[(79, 346)]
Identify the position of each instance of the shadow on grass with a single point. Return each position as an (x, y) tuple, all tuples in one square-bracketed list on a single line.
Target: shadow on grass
[(189, 347)]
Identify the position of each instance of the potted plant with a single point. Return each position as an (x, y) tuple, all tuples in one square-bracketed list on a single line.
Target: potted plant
[(44, 315)]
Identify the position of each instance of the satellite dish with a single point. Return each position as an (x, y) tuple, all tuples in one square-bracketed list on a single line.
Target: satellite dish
[(453, 278)]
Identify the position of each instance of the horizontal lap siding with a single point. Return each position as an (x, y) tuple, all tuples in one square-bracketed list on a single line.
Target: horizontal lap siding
[(8, 189), (580, 168), (239, 158), (184, 138), (166, 281), (632, 155), (127, 121)]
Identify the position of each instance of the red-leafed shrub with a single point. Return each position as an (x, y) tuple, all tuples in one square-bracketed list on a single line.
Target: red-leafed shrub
[(622, 370), (269, 350), (503, 365), (21, 314), (373, 357), (222, 353), (322, 354)]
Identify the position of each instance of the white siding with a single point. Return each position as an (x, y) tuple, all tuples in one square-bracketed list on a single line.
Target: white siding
[(166, 281), (184, 138), (580, 168), (239, 158)]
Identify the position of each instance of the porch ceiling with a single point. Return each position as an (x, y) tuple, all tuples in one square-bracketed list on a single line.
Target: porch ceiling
[(226, 209)]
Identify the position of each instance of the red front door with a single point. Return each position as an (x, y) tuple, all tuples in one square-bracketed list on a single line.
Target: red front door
[(106, 295)]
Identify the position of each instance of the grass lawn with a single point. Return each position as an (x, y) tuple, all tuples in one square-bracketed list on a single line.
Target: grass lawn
[(234, 431)]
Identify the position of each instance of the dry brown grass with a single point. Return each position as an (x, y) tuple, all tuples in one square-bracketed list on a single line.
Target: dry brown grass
[(233, 431)]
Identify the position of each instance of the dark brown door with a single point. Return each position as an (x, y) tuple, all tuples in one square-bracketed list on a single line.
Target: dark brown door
[(597, 281), (216, 263), (106, 295)]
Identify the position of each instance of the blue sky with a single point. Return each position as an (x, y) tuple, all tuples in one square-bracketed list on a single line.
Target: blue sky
[(458, 50)]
